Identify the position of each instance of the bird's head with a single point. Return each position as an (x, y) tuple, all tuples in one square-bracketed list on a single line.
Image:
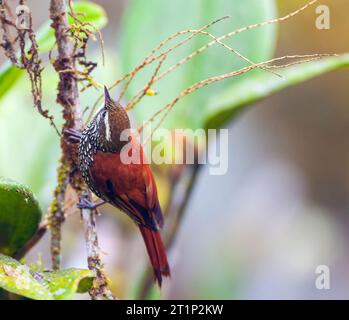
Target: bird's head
[(113, 121)]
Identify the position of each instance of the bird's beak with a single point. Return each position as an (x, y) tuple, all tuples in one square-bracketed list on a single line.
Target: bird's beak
[(107, 97)]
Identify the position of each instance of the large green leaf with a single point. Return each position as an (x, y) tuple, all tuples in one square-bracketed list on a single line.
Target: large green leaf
[(92, 13), (20, 215), (145, 24), (59, 285), (227, 104)]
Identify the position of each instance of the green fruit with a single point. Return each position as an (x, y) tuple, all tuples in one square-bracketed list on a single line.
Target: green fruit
[(20, 215)]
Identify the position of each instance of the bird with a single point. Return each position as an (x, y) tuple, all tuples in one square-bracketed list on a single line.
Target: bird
[(130, 187)]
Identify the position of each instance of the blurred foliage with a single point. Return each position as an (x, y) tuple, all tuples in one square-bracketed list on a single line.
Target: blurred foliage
[(9, 75), (29, 147), (215, 105), (167, 17), (91, 13), (261, 85), (20, 216), (59, 285)]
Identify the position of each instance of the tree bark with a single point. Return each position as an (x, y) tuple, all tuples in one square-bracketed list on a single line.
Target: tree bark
[(68, 98)]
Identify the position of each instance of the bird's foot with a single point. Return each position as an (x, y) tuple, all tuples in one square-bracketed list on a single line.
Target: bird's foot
[(72, 135), (85, 203)]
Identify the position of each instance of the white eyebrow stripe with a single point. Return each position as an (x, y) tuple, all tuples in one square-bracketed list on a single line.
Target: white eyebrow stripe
[(107, 126)]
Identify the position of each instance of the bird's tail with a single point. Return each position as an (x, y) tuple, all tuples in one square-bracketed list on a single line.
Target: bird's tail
[(157, 253)]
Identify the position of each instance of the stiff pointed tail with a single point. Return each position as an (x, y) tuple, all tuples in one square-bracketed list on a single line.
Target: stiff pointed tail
[(157, 253)]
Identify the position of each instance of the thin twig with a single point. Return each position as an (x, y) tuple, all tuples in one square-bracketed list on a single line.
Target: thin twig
[(7, 44), (137, 98), (196, 86), (150, 59), (26, 59), (83, 25), (233, 33), (99, 290), (141, 93)]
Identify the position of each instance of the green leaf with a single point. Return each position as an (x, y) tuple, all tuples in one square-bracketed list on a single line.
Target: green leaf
[(139, 37), (65, 283), (20, 279), (8, 77), (17, 278), (93, 14), (20, 215), (227, 104)]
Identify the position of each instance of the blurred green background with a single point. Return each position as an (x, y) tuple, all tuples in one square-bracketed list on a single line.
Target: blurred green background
[(259, 231)]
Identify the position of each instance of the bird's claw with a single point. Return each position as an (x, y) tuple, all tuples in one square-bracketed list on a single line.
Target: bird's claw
[(85, 203), (72, 135)]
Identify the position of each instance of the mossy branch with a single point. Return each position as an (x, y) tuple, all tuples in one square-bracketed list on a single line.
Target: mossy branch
[(68, 98)]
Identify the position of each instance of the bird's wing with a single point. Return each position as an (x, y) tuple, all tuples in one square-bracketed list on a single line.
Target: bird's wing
[(130, 187), (152, 195)]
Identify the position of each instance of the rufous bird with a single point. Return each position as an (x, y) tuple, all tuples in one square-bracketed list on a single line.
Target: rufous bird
[(128, 187)]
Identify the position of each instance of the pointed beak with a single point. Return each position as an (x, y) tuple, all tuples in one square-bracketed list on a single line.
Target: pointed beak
[(107, 97)]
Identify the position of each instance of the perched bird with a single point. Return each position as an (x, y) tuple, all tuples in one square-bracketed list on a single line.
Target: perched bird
[(128, 186)]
